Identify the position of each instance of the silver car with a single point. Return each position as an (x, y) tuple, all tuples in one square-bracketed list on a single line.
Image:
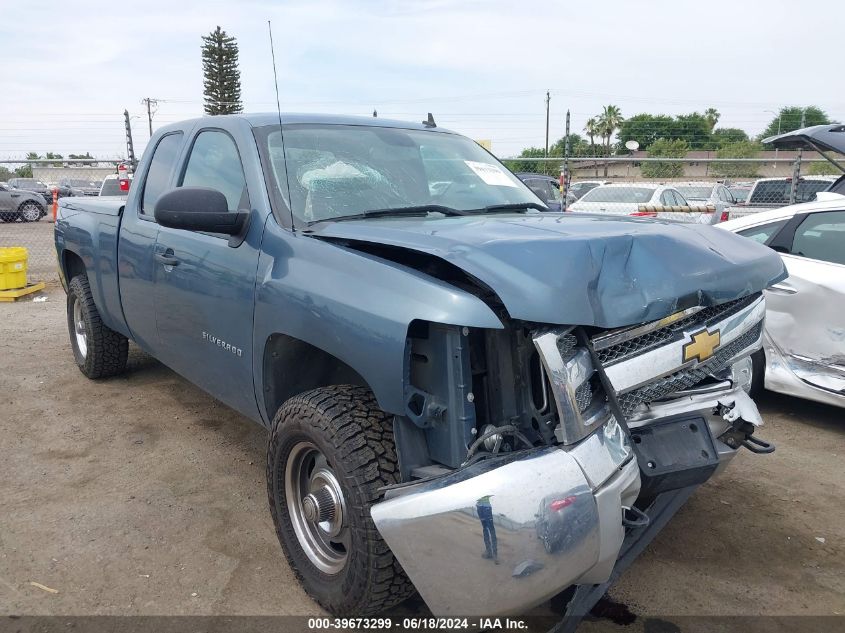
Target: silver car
[(804, 344), (708, 193)]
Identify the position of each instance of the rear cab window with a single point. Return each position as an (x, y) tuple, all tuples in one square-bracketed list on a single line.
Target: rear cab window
[(161, 169)]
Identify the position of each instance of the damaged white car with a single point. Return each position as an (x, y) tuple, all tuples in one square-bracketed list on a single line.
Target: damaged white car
[(804, 343)]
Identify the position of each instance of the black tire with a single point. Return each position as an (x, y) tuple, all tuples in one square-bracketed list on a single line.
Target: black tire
[(106, 350), (758, 373), (345, 424), (30, 212)]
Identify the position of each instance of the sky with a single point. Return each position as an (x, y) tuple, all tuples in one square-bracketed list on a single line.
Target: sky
[(70, 68)]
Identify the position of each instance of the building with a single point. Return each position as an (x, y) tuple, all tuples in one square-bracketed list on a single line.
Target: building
[(698, 166)]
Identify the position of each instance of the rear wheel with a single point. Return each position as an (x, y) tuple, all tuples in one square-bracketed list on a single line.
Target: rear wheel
[(330, 452), (30, 212), (98, 350)]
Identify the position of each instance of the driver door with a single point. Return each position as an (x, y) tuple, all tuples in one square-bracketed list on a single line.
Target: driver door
[(205, 288)]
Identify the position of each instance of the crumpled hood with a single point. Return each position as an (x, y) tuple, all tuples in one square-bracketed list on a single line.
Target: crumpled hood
[(562, 268)]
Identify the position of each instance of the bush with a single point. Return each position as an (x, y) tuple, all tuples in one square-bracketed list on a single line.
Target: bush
[(665, 148), (739, 149)]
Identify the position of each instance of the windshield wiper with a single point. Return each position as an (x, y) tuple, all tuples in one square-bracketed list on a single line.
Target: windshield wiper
[(419, 209), (513, 206)]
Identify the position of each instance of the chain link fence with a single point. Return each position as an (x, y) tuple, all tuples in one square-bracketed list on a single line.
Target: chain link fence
[(698, 189), (26, 201)]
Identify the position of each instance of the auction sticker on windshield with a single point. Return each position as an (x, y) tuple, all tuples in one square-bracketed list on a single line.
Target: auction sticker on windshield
[(490, 174)]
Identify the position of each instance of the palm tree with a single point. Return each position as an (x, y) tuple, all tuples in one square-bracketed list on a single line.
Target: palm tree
[(712, 115), (609, 122), (592, 130)]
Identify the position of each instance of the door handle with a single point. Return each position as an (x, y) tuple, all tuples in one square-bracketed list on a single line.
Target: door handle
[(782, 289), (167, 258)]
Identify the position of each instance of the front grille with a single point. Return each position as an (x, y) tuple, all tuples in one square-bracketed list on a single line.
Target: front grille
[(566, 344), (584, 396), (686, 378), (656, 338)]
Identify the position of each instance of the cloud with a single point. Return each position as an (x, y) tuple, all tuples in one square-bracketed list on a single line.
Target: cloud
[(481, 67)]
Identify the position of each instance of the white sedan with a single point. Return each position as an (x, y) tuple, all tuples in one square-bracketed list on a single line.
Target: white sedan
[(804, 344), (642, 199)]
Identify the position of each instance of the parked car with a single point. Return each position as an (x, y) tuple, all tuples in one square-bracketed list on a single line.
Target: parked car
[(17, 204), (708, 193), (79, 187), (545, 187), (111, 186), (412, 353), (804, 347), (580, 187), (643, 199), (769, 192), (828, 138), (31, 184)]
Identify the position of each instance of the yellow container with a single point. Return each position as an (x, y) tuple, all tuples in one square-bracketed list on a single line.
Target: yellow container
[(13, 267)]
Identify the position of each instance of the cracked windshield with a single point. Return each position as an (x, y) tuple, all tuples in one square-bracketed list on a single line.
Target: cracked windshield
[(336, 171)]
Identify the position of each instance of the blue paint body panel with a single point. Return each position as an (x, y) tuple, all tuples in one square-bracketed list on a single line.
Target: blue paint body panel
[(584, 270), (210, 317)]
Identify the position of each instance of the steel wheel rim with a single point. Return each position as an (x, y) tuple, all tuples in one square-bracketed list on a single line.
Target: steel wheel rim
[(313, 493), (30, 212), (79, 329)]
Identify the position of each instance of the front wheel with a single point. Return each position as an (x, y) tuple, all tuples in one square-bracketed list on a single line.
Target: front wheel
[(30, 212), (98, 350), (330, 451)]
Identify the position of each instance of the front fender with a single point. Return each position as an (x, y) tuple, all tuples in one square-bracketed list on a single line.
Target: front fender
[(354, 306)]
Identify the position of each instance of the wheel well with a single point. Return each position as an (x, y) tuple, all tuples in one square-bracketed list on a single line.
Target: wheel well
[(292, 366), (73, 265)]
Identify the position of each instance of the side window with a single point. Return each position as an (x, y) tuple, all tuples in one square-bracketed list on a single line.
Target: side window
[(539, 188), (821, 236), (554, 191), (666, 198), (161, 168), (679, 199), (214, 162), (762, 233)]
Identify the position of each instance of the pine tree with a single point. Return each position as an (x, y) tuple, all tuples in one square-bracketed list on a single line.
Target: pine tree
[(222, 78)]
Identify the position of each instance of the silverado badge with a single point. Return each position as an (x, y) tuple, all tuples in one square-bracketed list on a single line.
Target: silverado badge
[(702, 345)]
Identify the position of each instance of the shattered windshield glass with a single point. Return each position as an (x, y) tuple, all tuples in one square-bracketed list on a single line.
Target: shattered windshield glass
[(335, 171)]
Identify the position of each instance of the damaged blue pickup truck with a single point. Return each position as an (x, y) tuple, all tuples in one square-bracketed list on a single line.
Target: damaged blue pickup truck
[(467, 395)]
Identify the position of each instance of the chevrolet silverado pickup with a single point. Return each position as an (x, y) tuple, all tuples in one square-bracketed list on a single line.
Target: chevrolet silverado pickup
[(467, 395)]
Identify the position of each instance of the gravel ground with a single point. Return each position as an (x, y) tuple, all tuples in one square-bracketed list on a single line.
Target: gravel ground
[(143, 495)]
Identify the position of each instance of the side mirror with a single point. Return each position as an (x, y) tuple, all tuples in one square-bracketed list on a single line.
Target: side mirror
[(201, 209)]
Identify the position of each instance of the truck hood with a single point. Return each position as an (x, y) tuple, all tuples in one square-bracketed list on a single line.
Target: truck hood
[(560, 268)]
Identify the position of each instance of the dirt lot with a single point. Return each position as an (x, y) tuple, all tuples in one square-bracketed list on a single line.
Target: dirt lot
[(142, 495)]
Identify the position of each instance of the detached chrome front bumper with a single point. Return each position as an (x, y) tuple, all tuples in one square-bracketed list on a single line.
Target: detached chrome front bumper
[(557, 521), (557, 516)]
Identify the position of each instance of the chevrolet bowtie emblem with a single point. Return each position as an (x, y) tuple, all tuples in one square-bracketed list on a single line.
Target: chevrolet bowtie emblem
[(702, 345)]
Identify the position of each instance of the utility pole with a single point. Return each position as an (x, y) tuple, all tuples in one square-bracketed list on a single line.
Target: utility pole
[(796, 168), (548, 98), (130, 148), (565, 174), (151, 105)]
